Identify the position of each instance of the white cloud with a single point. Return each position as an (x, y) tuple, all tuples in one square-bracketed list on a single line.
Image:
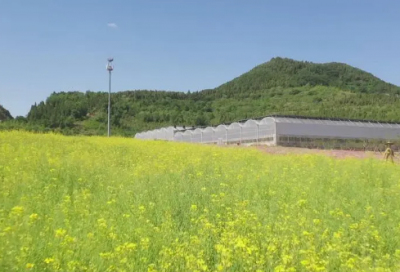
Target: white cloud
[(112, 25)]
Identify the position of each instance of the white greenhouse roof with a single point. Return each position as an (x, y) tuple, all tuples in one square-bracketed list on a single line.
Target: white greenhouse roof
[(268, 126), (335, 122), (346, 129)]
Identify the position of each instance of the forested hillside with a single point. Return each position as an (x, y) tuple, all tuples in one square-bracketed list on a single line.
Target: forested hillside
[(288, 73), (4, 114), (280, 86)]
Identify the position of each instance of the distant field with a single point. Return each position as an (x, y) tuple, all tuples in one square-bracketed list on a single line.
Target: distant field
[(98, 204)]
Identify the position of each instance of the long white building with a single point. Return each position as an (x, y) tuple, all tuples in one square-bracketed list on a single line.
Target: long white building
[(281, 130)]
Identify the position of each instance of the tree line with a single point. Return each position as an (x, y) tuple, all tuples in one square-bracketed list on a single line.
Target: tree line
[(280, 86)]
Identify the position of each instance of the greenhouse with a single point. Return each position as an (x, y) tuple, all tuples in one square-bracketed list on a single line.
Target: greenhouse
[(286, 131), (208, 135), (166, 133), (220, 133), (187, 136), (197, 135)]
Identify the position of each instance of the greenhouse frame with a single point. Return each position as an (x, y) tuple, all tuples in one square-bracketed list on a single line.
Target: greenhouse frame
[(287, 131)]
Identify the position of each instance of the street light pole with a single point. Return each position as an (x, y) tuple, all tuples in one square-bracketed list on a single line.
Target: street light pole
[(109, 69)]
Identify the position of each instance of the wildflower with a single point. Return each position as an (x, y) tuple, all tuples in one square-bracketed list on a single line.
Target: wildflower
[(112, 201), (106, 255), (302, 202), (305, 262), (17, 210), (33, 216), (354, 226), (130, 246), (7, 229), (102, 223), (60, 232), (72, 265), (240, 243), (49, 260), (29, 265), (145, 242), (69, 239), (151, 268)]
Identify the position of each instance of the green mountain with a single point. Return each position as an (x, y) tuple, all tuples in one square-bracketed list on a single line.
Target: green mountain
[(280, 86), (4, 114), (288, 73)]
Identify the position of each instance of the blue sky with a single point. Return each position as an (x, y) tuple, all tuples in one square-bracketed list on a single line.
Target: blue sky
[(181, 45)]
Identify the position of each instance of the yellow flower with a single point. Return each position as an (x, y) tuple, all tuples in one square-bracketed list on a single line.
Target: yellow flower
[(60, 232), (33, 216), (17, 210), (151, 268), (7, 229), (130, 246), (257, 211), (49, 260)]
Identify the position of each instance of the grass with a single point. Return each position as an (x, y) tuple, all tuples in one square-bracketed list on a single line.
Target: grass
[(98, 204)]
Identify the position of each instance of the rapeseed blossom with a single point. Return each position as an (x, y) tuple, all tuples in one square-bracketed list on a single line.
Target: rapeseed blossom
[(99, 204)]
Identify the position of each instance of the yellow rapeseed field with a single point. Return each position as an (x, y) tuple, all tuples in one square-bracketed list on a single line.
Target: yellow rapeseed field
[(98, 204)]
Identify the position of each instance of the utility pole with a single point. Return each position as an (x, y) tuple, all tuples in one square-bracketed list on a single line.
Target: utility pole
[(109, 69)]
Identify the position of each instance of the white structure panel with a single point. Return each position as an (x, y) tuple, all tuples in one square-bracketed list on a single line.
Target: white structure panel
[(221, 132), (336, 129), (157, 134), (267, 129), (250, 130), (208, 135), (187, 136), (197, 135), (178, 137), (234, 132), (169, 133)]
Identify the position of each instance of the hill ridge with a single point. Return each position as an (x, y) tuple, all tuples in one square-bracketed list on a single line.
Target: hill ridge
[(4, 114), (300, 73), (280, 86)]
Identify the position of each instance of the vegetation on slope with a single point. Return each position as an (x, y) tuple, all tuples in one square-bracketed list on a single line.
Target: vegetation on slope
[(288, 73), (280, 86), (4, 114), (178, 207)]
